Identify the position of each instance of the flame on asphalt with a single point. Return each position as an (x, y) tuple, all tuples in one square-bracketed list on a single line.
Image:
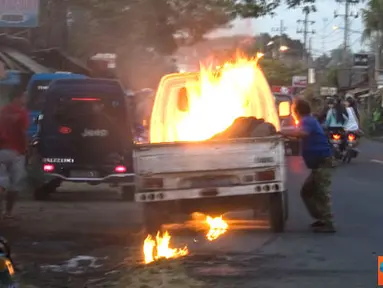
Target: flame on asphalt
[(158, 247)]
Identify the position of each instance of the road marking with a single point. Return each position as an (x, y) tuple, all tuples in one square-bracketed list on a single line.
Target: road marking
[(377, 161)]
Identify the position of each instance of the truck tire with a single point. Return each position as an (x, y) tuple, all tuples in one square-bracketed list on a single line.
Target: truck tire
[(127, 193), (286, 204), (153, 219), (295, 148), (277, 215), (42, 193)]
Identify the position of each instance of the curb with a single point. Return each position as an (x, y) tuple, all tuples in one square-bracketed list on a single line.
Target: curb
[(377, 139)]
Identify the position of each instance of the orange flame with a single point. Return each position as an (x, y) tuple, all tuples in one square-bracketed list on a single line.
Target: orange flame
[(215, 100), (218, 227), (159, 247)]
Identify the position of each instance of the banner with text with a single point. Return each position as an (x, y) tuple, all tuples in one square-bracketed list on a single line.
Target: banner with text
[(19, 13)]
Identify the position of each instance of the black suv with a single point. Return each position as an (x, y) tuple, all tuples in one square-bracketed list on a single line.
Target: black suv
[(84, 135)]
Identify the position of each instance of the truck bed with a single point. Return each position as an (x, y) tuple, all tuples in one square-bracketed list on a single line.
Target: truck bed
[(184, 157)]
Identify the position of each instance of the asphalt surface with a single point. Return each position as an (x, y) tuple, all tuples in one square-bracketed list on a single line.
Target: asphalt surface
[(300, 258), (72, 225)]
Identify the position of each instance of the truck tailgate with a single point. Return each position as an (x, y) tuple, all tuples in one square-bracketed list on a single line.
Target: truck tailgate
[(209, 155)]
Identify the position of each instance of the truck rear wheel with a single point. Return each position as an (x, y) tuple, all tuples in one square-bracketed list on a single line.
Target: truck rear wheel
[(127, 193), (295, 148), (153, 218), (277, 215)]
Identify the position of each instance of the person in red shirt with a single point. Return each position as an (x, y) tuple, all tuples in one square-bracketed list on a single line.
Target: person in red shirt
[(13, 146)]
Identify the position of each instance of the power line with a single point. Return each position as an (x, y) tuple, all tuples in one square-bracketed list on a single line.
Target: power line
[(281, 29), (347, 14), (306, 22)]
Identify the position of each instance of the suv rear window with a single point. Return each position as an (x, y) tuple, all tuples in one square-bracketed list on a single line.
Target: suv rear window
[(35, 95), (281, 98), (78, 112)]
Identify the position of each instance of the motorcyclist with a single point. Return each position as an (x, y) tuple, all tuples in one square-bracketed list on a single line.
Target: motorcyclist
[(336, 119), (336, 116), (352, 124)]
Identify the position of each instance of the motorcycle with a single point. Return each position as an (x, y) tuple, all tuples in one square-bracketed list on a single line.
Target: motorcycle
[(337, 142), (350, 149), (344, 145)]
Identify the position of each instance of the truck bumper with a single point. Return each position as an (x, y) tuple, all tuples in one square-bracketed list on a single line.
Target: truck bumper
[(211, 193)]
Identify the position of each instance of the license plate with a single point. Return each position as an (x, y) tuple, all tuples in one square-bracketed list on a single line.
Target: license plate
[(83, 174), (202, 183)]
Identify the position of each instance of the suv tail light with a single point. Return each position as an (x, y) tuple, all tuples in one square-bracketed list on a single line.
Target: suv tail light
[(86, 99), (120, 169), (48, 168)]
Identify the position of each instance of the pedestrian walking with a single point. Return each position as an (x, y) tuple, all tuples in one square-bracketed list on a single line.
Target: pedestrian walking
[(316, 153), (13, 146)]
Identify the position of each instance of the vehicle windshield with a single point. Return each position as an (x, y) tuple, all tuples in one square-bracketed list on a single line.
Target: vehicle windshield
[(36, 97), (281, 98)]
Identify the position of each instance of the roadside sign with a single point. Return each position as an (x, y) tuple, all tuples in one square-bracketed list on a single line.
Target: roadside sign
[(282, 90), (361, 60), (19, 13), (328, 91), (299, 81), (379, 81)]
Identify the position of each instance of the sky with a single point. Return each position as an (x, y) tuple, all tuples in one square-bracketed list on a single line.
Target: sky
[(326, 37)]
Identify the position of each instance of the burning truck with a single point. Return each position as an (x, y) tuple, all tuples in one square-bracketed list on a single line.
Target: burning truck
[(214, 147)]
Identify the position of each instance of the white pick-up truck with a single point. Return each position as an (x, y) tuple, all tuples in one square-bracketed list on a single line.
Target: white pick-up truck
[(211, 177)]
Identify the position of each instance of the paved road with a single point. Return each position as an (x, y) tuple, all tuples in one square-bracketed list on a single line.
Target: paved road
[(300, 258), (53, 232)]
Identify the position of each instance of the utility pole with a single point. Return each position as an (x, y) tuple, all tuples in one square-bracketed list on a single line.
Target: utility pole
[(306, 32), (281, 29), (310, 47), (347, 14)]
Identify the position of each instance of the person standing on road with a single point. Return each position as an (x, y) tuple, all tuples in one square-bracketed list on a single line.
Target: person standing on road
[(13, 146), (316, 153)]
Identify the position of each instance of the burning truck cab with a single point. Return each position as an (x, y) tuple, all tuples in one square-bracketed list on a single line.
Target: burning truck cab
[(214, 147)]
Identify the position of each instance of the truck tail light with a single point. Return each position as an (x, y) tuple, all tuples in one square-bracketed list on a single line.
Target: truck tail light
[(265, 175), (153, 183)]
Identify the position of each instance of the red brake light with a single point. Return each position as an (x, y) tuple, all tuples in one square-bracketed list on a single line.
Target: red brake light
[(120, 169), (153, 183), (48, 168), (86, 99), (336, 136), (265, 175), (65, 130), (351, 137)]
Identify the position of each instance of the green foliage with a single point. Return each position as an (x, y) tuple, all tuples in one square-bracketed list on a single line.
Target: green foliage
[(155, 23), (277, 73), (330, 79), (372, 18)]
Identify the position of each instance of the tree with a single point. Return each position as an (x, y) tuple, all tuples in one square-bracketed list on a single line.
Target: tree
[(277, 73), (158, 22), (372, 17)]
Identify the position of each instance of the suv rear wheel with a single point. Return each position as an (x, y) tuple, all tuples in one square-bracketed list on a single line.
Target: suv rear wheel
[(42, 193)]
